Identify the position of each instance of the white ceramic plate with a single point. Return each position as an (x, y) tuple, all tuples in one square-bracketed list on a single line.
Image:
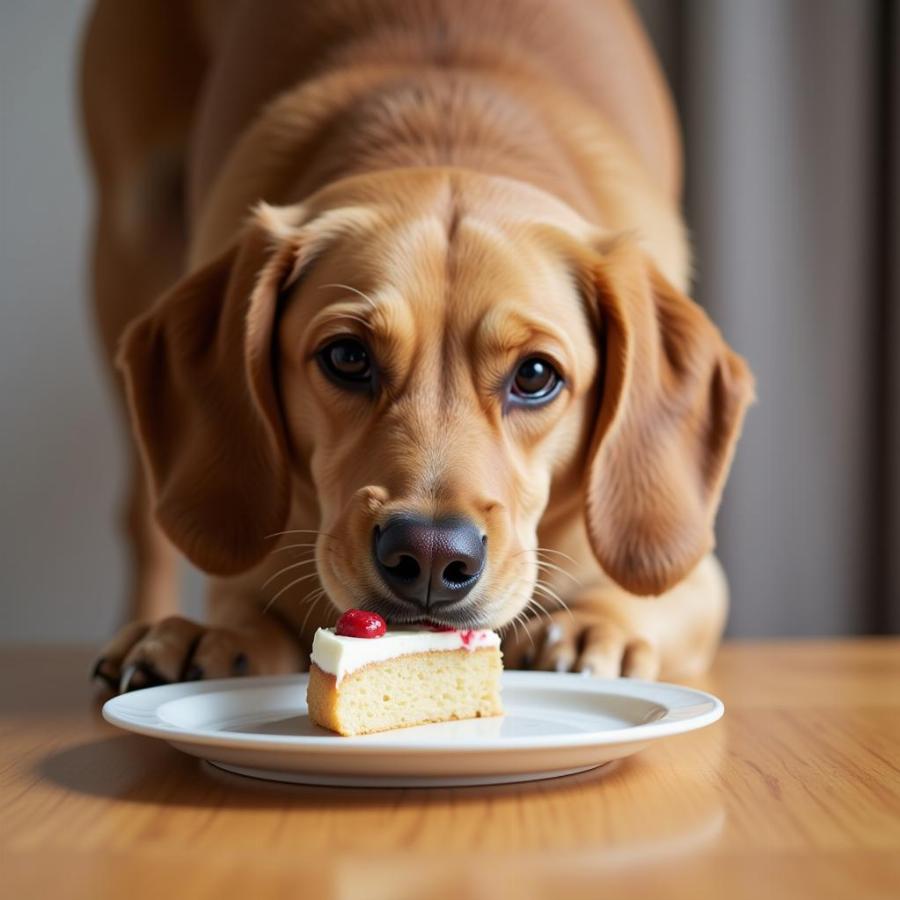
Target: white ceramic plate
[(555, 724)]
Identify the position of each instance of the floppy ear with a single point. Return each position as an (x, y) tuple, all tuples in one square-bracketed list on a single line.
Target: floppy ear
[(673, 400), (198, 374)]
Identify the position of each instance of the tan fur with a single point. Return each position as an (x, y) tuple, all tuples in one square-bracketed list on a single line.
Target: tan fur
[(459, 184)]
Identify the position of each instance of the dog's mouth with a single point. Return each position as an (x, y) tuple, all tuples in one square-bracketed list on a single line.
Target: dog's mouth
[(466, 617)]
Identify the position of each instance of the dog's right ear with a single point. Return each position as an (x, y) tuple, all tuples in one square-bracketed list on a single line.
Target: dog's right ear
[(672, 403), (198, 375)]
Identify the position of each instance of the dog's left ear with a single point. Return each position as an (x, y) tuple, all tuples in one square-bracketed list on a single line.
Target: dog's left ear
[(673, 397), (198, 376)]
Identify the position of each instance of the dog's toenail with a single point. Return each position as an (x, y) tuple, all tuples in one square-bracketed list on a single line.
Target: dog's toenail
[(553, 635), (527, 660), (193, 673), (98, 673), (587, 671), (125, 680), (562, 666), (141, 675), (240, 664)]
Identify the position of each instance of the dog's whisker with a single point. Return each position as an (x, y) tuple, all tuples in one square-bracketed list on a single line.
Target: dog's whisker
[(512, 623), (280, 572), (551, 595), (531, 612), (557, 553), (309, 612), (313, 593), (521, 617), (515, 626), (533, 602), (533, 607), (543, 564), (527, 630), (302, 630), (291, 584), (312, 605), (547, 564), (547, 590), (312, 598), (510, 594), (557, 601), (303, 531), (294, 531), (294, 547), (352, 290)]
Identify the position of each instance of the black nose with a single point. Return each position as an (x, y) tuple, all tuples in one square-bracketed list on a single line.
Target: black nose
[(429, 563)]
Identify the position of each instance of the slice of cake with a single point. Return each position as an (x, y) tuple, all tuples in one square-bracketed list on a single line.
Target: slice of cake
[(364, 678)]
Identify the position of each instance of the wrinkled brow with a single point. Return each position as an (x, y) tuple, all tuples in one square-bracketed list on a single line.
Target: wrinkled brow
[(383, 321), (506, 333), (506, 329)]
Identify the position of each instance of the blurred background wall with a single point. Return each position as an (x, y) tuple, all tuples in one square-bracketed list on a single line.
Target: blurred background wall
[(62, 570), (792, 199), (790, 112)]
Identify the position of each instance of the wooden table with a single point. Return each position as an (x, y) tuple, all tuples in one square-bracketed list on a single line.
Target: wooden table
[(795, 793)]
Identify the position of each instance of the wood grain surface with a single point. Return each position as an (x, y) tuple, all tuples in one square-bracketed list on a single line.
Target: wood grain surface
[(795, 793)]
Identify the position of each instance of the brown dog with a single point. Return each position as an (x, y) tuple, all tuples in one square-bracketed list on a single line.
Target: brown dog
[(431, 355)]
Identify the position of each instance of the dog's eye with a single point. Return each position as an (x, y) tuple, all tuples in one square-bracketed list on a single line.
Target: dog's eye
[(535, 380), (347, 362)]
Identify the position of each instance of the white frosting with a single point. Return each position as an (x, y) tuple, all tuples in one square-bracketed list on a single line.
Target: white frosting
[(339, 655)]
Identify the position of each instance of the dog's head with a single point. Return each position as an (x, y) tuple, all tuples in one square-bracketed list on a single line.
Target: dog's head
[(423, 360)]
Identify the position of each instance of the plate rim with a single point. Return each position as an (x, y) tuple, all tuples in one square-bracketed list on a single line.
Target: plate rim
[(136, 712)]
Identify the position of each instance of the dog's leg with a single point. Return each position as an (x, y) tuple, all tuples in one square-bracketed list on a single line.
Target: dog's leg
[(608, 632), (153, 591), (141, 72)]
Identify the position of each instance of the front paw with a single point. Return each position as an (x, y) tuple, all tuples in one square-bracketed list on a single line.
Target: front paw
[(588, 642), (174, 649)]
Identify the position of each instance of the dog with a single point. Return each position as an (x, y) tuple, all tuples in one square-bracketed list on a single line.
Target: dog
[(396, 294)]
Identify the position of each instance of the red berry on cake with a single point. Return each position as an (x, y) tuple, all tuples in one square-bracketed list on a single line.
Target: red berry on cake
[(360, 623)]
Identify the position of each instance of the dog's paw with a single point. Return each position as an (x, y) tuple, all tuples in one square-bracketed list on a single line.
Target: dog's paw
[(581, 641), (177, 649)]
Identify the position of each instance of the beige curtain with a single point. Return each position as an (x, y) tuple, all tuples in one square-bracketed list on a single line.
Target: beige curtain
[(790, 117)]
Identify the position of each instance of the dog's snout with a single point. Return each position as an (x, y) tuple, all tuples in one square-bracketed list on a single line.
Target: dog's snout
[(429, 563)]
